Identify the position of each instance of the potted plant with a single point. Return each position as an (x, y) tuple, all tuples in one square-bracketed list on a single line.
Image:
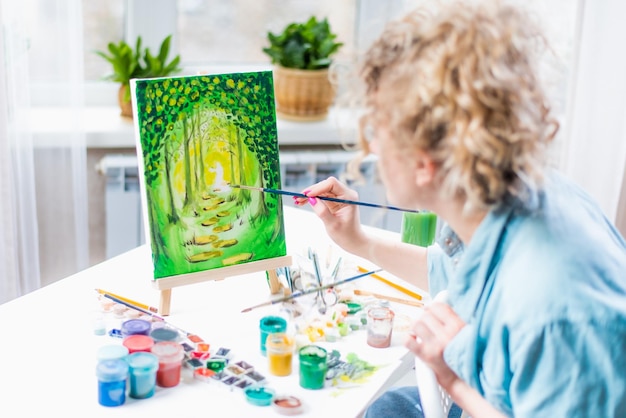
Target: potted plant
[(302, 54), (129, 63)]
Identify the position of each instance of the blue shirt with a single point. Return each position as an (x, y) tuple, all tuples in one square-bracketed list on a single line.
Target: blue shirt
[(543, 294)]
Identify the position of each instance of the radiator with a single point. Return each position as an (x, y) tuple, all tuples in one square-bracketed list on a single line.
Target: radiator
[(124, 222)]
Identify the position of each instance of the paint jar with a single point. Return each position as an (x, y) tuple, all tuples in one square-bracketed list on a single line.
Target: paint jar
[(259, 395), (279, 348), (112, 375), (112, 352), (136, 343), (419, 228), (287, 405), (142, 373), (170, 356), (164, 334), (379, 326), (313, 366), (135, 327), (269, 325)]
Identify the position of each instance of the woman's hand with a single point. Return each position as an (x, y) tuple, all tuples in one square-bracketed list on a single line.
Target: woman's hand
[(341, 220), (430, 335)]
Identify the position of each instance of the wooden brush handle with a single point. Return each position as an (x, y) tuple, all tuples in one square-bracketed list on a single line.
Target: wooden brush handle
[(389, 298)]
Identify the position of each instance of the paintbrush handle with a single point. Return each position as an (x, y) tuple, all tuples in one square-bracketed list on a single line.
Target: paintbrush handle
[(328, 198), (309, 291), (389, 298)]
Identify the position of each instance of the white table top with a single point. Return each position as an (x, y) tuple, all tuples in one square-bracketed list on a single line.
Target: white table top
[(48, 355)]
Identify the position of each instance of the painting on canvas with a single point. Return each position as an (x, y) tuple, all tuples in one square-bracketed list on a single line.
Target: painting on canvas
[(198, 136)]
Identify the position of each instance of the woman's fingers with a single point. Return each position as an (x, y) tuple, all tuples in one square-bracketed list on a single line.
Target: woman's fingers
[(436, 326), (450, 322)]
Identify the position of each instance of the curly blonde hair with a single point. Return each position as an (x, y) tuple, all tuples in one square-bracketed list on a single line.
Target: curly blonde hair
[(462, 86)]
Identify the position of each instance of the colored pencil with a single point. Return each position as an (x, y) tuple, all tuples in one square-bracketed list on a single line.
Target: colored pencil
[(394, 285), (331, 199), (130, 305), (309, 291), (389, 298), (122, 301), (130, 301)]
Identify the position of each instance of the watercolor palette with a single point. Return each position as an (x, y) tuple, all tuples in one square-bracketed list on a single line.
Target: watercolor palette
[(218, 366)]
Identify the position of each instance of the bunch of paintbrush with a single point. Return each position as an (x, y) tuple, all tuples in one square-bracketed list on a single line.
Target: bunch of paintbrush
[(309, 291)]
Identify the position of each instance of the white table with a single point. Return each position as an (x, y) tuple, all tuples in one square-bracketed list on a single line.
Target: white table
[(48, 355)]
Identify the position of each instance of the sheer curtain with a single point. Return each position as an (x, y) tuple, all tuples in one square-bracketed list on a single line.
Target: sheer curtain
[(595, 150), (43, 198), (19, 252)]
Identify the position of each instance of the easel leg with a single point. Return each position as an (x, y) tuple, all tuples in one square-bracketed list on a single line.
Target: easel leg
[(164, 303), (273, 281)]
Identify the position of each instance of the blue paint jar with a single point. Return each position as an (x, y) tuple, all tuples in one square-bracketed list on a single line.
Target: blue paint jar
[(270, 325), (143, 368), (136, 327), (112, 376)]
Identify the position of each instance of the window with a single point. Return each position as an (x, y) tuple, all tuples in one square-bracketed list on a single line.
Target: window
[(207, 32), (230, 34)]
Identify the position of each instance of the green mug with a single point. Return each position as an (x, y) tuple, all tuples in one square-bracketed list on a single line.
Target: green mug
[(419, 228)]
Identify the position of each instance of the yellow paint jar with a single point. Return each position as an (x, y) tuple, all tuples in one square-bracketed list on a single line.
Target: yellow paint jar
[(279, 348)]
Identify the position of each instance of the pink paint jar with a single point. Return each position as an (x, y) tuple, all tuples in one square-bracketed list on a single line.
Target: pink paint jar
[(379, 327), (170, 355)]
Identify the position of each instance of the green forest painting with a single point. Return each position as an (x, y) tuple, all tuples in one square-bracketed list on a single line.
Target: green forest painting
[(197, 137)]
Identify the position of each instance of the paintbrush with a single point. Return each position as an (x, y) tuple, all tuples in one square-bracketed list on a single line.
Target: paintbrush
[(309, 291), (389, 298), (331, 199)]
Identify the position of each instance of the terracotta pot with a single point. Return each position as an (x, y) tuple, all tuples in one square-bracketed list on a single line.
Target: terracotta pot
[(302, 95), (126, 107)]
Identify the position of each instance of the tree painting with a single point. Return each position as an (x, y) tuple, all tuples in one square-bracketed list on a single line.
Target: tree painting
[(199, 135)]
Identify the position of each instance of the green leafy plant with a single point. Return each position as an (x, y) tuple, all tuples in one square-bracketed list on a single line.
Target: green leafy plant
[(138, 62), (305, 46)]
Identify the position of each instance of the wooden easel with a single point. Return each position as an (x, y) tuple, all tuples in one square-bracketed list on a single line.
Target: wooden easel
[(166, 284)]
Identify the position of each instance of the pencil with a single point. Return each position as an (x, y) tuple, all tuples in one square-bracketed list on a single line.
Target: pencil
[(394, 285), (132, 306), (331, 199), (192, 337), (309, 291), (130, 301)]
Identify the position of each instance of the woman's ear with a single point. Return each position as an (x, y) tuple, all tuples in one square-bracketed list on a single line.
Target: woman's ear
[(424, 169)]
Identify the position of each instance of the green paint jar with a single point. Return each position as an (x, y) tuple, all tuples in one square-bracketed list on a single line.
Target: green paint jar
[(419, 228), (313, 366)]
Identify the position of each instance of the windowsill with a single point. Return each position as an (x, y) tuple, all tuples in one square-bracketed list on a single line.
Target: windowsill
[(105, 128)]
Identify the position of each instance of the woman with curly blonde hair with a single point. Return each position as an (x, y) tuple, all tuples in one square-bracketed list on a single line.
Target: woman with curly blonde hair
[(535, 323)]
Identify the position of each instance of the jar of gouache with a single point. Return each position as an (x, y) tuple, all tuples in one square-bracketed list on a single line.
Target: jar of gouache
[(142, 373), (112, 375), (170, 355)]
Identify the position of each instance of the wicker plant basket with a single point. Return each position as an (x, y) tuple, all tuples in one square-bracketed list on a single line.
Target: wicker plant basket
[(302, 95), (126, 108)]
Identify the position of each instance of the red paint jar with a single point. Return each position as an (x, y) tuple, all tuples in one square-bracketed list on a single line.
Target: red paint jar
[(170, 355), (138, 342)]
